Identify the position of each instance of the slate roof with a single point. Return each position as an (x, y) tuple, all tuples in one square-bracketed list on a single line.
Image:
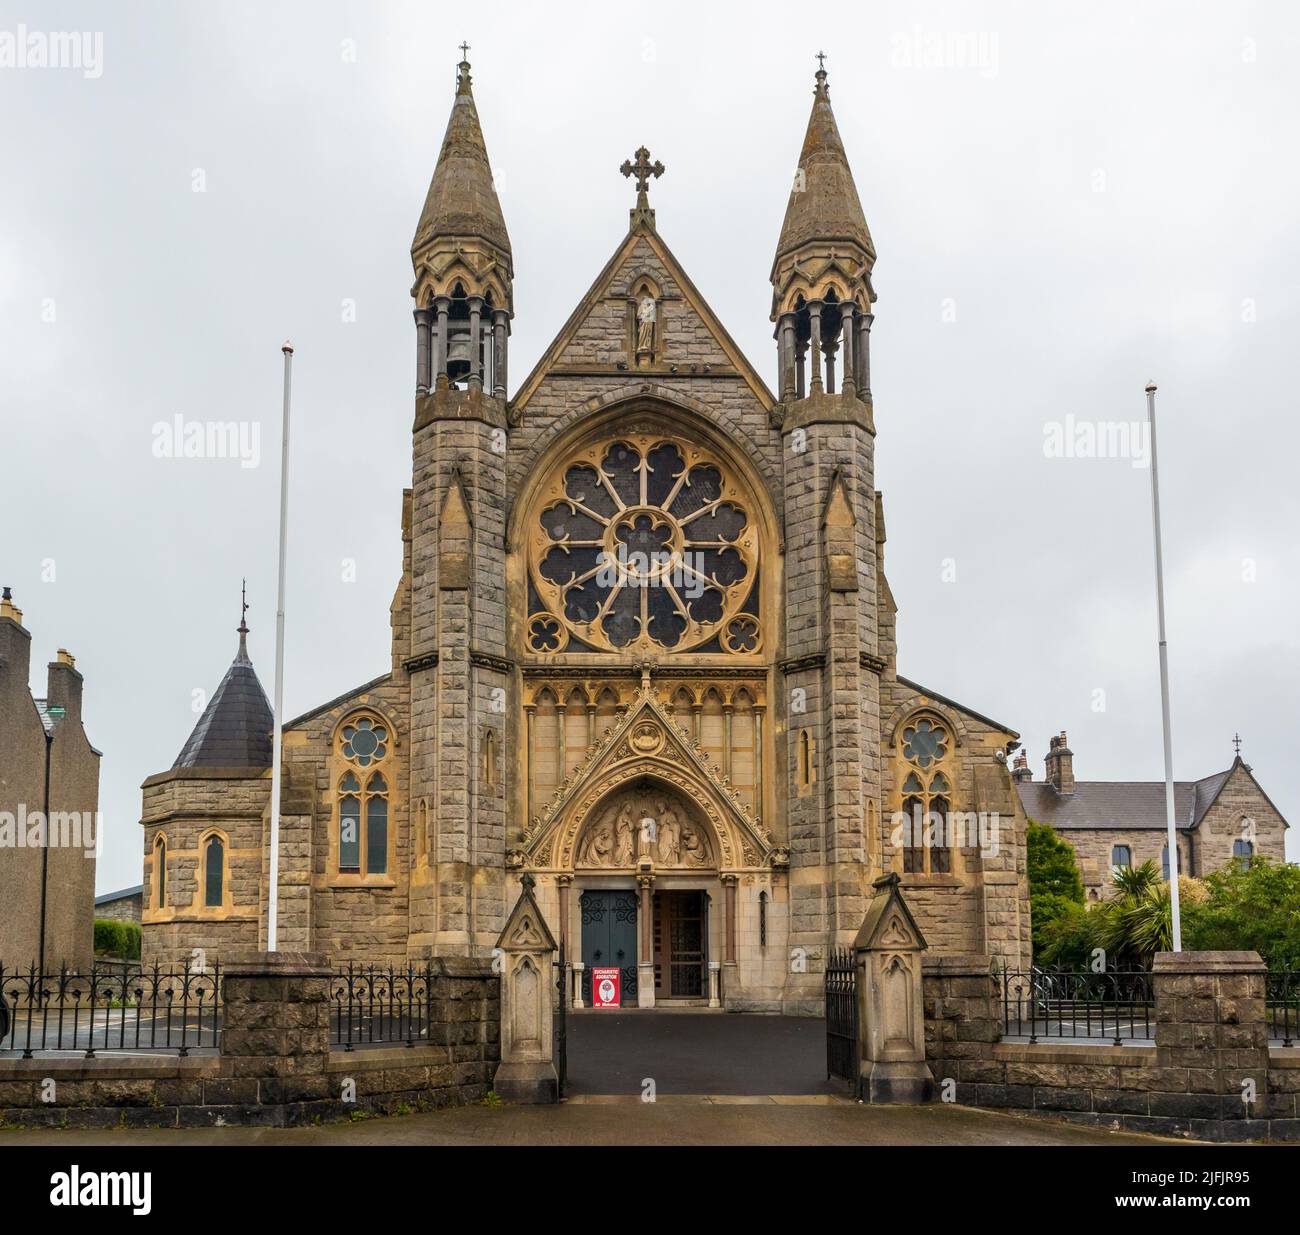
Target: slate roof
[(50, 717), (826, 205), (235, 728), (462, 200), (1120, 803), (120, 895)]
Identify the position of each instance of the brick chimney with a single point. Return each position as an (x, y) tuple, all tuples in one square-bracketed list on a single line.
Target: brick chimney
[(63, 689), (15, 657), (1060, 765), (1020, 769)]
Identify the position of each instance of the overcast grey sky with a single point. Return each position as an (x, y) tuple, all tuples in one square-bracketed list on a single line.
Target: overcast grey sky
[(1066, 200)]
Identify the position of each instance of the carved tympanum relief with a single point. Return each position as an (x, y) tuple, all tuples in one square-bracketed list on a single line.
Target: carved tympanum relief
[(646, 822)]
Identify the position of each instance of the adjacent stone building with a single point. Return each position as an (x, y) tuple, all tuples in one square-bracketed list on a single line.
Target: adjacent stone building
[(49, 809), (1123, 823), (123, 905), (643, 649)]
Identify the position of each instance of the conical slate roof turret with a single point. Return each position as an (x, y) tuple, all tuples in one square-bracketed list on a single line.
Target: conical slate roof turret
[(824, 204), (235, 728), (462, 200)]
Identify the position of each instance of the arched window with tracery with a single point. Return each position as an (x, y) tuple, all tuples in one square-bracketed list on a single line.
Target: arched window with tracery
[(927, 798), (363, 833)]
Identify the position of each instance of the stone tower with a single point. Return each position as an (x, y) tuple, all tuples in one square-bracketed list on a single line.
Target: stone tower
[(459, 676), (821, 306)]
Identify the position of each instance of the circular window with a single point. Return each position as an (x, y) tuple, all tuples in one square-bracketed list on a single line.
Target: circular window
[(924, 743), (644, 542), (365, 741)]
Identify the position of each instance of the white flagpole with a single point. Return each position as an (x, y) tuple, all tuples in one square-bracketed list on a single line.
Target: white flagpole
[(273, 893), (1164, 679)]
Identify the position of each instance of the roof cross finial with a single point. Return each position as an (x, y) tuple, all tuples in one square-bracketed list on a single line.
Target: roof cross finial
[(1236, 744), (464, 51), (821, 62), (642, 169)]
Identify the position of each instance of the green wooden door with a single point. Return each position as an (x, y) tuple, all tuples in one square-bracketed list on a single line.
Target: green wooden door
[(609, 940)]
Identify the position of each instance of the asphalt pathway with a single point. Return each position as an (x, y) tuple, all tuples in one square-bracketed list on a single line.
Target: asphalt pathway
[(696, 1053)]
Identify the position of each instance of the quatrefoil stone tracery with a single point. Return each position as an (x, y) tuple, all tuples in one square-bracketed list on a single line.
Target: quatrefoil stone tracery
[(643, 541)]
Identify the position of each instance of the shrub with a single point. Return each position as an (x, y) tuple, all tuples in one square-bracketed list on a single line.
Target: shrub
[(1248, 905), (111, 938)]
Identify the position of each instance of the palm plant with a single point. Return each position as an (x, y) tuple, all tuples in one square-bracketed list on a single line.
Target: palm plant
[(1137, 922)]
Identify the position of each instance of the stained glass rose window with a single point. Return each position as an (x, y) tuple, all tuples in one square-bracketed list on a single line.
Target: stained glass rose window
[(643, 542)]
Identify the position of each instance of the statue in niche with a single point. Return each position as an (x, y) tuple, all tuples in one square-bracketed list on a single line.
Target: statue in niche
[(646, 313)]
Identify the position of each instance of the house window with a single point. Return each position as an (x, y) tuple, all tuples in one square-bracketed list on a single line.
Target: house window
[(927, 799), (762, 919), (1121, 857), (160, 872), (1164, 863), (214, 861), (1243, 849)]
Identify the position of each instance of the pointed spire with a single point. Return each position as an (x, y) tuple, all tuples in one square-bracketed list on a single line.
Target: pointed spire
[(462, 200), (824, 204)]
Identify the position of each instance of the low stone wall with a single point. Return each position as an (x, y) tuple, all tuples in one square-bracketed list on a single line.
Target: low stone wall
[(275, 1066), (1210, 1074)]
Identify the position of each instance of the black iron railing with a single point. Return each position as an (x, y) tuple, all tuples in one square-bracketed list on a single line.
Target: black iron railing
[(841, 984), (141, 1010), (1282, 1006), (560, 1022), (1115, 1005), (374, 1006)]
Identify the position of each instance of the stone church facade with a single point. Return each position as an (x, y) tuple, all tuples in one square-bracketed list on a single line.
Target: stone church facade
[(643, 649)]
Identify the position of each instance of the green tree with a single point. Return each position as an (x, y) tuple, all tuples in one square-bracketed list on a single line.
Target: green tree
[(1056, 901), (1249, 904)]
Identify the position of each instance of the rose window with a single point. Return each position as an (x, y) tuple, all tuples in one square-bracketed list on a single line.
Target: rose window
[(643, 543), (924, 743), (364, 741)]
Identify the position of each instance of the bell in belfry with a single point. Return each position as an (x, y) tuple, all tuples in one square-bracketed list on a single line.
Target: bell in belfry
[(458, 358)]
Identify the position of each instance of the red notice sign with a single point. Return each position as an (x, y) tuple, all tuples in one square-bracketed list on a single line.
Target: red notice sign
[(604, 988)]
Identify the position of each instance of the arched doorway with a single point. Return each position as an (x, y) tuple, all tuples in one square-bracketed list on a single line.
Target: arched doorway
[(646, 884)]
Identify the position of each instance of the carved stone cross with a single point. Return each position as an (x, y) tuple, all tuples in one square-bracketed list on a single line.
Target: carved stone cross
[(643, 169)]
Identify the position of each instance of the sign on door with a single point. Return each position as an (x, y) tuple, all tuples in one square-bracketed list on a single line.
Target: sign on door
[(605, 991)]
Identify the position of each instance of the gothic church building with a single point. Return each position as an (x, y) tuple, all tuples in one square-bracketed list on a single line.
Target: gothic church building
[(643, 649)]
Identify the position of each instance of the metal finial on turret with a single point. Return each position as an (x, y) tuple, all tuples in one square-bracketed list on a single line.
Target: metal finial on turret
[(243, 620), (1236, 744)]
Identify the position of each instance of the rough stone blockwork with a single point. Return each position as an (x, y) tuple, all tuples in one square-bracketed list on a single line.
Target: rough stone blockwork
[(1211, 1055), (276, 1066)]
